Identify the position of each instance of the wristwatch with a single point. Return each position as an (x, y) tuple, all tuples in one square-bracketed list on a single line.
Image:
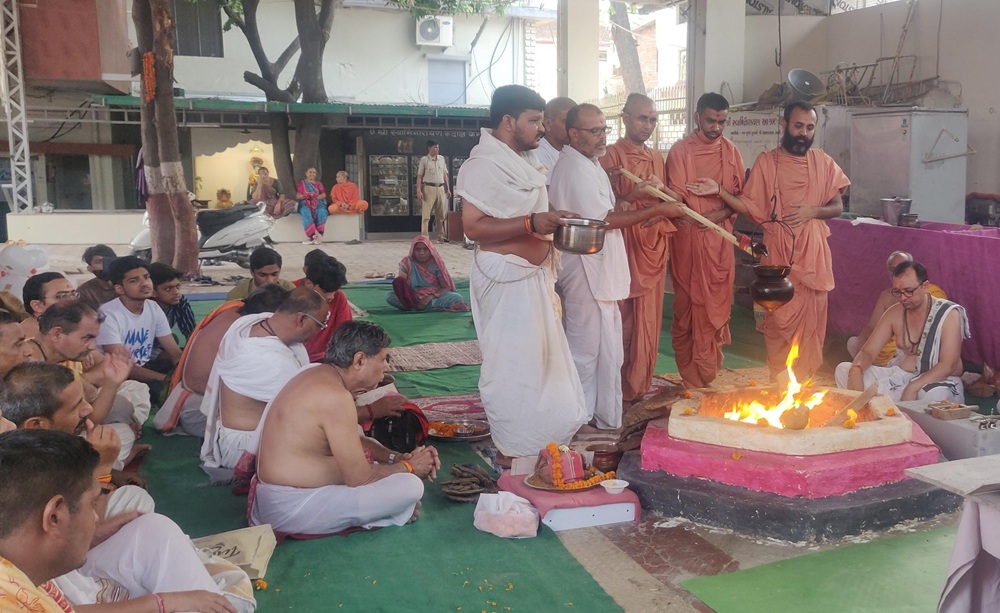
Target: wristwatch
[(392, 458)]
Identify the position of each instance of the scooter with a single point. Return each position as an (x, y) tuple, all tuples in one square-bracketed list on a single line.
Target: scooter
[(228, 234)]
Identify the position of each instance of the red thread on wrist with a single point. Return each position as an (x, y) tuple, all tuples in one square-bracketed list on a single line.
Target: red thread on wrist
[(160, 605), (371, 414)]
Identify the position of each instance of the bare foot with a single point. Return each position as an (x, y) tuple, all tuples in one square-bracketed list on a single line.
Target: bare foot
[(416, 512), (138, 450), (588, 429), (503, 461)]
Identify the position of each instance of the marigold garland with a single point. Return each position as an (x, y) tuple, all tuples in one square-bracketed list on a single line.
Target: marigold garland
[(149, 75), (557, 474)]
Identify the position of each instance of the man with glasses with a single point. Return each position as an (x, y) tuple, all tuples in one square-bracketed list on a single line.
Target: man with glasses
[(258, 355), (882, 304), (929, 333), (645, 244), (39, 293), (702, 263), (592, 285)]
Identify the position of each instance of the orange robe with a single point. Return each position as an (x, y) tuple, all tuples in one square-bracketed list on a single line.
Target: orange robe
[(346, 193), (702, 263), (815, 180), (646, 248)]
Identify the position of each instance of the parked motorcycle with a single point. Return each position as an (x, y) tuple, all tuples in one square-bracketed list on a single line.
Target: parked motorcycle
[(228, 234)]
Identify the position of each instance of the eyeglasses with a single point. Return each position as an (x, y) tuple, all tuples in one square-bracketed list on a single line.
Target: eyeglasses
[(594, 131), (322, 324), (904, 292), (73, 295)]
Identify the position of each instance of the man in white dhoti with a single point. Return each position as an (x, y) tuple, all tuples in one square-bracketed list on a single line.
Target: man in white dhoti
[(258, 355), (528, 383), (929, 333), (316, 473), (592, 285)]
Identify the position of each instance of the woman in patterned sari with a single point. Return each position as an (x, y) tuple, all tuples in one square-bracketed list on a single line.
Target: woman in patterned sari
[(312, 206), (423, 282)]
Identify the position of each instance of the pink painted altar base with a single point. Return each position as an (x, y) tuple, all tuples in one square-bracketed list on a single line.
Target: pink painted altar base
[(818, 476)]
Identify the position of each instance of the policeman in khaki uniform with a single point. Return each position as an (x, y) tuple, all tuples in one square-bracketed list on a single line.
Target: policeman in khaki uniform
[(433, 189)]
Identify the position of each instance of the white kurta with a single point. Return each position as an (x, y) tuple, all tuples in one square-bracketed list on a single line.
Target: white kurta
[(547, 156), (256, 367), (591, 286), (528, 382)]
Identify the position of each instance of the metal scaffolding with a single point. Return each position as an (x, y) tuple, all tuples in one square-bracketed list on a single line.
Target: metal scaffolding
[(19, 197)]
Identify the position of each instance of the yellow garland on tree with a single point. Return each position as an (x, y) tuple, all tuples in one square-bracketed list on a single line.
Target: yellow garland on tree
[(149, 75)]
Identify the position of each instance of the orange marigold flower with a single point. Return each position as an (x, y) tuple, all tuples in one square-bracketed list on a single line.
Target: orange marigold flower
[(260, 584), (737, 455), (890, 411), (753, 383), (688, 394)]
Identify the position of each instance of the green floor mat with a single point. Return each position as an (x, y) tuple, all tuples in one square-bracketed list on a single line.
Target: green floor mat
[(440, 563), (901, 574), (410, 328)]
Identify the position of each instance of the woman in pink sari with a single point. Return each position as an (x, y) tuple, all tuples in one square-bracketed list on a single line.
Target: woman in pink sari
[(312, 206), (423, 282)]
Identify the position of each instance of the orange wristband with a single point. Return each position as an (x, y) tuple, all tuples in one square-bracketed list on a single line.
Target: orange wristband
[(527, 224), (407, 465), (105, 479)]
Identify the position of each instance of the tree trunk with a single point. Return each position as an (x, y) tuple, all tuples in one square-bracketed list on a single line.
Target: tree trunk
[(173, 233), (161, 221), (184, 256), (282, 151), (308, 130), (628, 53)]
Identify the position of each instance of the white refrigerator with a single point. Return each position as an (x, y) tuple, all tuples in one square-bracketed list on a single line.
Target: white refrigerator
[(915, 153)]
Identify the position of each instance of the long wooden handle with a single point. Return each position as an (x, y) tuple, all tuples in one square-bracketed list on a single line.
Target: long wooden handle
[(690, 213)]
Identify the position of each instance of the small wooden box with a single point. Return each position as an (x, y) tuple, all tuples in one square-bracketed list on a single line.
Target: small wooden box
[(949, 412)]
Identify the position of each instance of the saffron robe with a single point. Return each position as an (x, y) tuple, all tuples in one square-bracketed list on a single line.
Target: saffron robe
[(778, 180), (647, 251), (702, 263), (346, 193)]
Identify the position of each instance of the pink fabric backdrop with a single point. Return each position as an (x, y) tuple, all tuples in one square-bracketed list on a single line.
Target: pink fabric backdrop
[(964, 262)]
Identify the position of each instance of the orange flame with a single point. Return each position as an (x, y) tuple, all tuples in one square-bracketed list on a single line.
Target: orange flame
[(754, 412)]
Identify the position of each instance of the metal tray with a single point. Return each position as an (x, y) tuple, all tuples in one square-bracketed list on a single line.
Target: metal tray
[(480, 430)]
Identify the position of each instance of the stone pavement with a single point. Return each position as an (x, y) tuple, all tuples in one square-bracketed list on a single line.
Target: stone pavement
[(368, 258)]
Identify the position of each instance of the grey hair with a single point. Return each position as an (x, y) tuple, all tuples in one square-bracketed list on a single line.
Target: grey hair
[(352, 337), (897, 254)]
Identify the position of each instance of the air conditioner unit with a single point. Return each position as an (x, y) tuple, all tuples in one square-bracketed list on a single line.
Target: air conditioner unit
[(435, 31)]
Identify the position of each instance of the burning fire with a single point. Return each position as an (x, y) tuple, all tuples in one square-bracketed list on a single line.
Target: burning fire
[(754, 412)]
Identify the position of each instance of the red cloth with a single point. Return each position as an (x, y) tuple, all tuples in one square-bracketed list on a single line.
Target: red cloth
[(546, 501), (778, 180), (647, 251), (702, 263)]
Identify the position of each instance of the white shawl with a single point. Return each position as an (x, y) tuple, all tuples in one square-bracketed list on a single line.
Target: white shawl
[(256, 367), (500, 182)]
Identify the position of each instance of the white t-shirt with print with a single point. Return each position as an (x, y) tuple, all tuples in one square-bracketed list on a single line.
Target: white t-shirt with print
[(135, 332)]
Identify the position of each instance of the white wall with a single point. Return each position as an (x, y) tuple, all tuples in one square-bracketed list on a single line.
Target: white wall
[(371, 56), (968, 46), (803, 45)]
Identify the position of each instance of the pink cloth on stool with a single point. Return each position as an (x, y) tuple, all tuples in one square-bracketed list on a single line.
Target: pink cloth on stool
[(546, 501)]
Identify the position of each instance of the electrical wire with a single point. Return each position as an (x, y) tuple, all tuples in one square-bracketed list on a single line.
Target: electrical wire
[(59, 133)]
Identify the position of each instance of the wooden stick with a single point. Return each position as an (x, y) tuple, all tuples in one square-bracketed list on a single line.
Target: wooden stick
[(690, 213)]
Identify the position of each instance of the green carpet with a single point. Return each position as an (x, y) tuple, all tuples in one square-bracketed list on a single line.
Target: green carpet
[(437, 564), (900, 574)]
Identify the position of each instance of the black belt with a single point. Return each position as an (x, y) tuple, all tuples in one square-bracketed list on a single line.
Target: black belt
[(434, 184)]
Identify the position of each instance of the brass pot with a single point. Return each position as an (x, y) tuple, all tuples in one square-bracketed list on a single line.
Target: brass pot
[(606, 457), (580, 235), (771, 287)]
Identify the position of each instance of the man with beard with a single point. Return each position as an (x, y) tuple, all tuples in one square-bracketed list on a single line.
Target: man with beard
[(98, 290), (528, 382), (929, 333), (645, 244), (702, 263), (556, 136), (592, 285), (802, 187), (134, 321)]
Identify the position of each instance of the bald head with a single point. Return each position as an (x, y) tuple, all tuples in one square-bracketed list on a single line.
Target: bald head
[(896, 258), (555, 121), (639, 118)]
